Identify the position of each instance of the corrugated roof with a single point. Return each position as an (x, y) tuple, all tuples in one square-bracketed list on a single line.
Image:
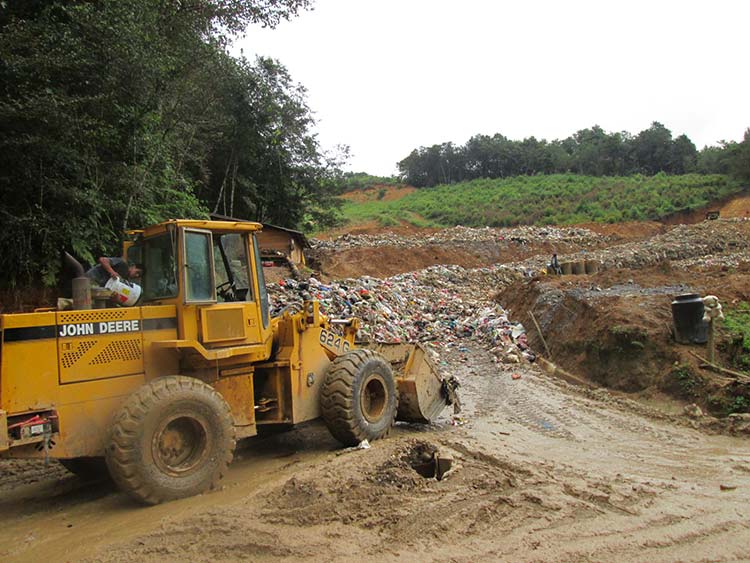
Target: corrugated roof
[(299, 234)]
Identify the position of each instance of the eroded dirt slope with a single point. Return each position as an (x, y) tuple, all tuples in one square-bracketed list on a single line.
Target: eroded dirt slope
[(614, 327)]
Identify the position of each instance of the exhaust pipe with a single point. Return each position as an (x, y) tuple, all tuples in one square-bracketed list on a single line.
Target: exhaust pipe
[(81, 284)]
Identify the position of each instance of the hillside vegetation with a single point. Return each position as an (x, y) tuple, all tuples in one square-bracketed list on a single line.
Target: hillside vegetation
[(551, 199), (352, 181), (591, 151)]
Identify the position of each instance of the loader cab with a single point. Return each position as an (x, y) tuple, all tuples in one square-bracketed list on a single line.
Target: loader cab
[(212, 272)]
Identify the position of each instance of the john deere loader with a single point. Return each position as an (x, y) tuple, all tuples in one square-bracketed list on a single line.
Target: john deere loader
[(161, 391)]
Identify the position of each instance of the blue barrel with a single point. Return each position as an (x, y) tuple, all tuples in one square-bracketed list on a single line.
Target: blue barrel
[(687, 315)]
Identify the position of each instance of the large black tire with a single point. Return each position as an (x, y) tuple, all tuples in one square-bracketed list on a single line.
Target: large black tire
[(173, 438), (87, 468), (359, 398)]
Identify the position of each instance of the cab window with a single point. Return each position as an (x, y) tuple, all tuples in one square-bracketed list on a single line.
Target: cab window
[(263, 293), (232, 268), (159, 279), (199, 284)]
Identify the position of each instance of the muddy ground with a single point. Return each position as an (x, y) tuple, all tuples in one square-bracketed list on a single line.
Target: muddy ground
[(543, 471)]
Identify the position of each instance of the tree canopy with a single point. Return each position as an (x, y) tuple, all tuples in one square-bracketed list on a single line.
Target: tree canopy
[(591, 151), (114, 115)]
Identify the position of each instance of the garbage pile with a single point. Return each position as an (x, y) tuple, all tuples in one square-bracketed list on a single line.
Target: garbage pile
[(712, 243), (440, 305), (460, 235), (728, 260), (682, 242)]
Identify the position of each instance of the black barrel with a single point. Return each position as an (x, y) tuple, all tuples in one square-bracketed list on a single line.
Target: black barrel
[(687, 314)]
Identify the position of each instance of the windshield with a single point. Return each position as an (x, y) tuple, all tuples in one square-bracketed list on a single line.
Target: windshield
[(231, 267), (159, 278)]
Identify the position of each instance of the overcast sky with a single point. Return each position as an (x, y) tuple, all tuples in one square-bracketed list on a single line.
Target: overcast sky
[(388, 76)]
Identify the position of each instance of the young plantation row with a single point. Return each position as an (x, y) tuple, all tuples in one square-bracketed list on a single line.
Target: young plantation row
[(557, 199)]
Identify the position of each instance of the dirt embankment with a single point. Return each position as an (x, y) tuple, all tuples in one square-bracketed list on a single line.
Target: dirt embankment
[(615, 328), (378, 192), (731, 207), (388, 261)]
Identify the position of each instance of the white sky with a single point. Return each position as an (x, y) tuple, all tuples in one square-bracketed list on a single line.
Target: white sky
[(388, 76)]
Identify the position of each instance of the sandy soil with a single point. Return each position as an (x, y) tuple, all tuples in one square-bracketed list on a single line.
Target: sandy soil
[(542, 472)]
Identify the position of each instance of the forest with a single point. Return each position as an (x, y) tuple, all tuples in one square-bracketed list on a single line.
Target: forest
[(115, 115), (591, 151)]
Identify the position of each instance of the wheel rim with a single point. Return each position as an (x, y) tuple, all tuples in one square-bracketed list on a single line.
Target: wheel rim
[(180, 445), (373, 398)]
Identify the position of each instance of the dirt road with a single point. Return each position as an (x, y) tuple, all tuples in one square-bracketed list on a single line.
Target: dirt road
[(543, 472)]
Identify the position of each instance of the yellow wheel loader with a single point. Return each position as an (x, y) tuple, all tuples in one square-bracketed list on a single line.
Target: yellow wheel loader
[(161, 391)]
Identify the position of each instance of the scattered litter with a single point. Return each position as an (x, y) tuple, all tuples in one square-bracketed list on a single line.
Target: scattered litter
[(518, 236), (727, 487), (457, 420), (516, 376), (363, 445)]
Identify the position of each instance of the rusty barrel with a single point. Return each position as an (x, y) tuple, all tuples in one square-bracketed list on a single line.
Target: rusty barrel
[(592, 266)]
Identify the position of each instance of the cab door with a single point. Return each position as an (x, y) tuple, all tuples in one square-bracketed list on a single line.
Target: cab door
[(220, 293)]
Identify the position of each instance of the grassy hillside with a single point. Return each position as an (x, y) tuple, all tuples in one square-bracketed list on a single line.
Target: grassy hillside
[(555, 199)]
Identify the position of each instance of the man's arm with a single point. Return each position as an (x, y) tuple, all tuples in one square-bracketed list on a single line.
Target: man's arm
[(107, 265)]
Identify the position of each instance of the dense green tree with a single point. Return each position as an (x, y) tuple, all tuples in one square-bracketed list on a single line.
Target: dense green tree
[(481, 157), (713, 160), (590, 151), (684, 156), (118, 114), (739, 156), (652, 149), (728, 158)]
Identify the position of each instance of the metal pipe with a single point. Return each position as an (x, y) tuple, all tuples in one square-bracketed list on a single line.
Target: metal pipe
[(81, 284)]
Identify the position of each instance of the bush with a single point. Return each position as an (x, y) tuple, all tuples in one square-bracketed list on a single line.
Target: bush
[(552, 199)]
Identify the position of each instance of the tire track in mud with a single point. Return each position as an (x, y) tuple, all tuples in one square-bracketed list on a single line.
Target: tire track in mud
[(594, 449), (542, 473)]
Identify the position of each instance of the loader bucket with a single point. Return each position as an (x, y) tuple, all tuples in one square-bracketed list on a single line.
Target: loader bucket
[(422, 393)]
